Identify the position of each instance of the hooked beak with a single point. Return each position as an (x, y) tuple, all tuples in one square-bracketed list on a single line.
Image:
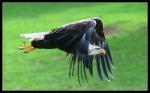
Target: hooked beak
[(102, 51)]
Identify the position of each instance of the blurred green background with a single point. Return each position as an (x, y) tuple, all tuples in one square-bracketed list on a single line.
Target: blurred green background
[(125, 26)]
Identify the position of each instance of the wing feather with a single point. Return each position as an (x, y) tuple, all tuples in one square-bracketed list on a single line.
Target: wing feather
[(98, 39)]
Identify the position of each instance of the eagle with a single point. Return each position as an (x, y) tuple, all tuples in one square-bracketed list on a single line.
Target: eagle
[(84, 41)]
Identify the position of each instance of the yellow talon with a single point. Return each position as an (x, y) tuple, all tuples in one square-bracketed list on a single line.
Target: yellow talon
[(26, 48)]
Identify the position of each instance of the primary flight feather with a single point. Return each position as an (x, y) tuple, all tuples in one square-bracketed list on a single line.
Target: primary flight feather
[(84, 40)]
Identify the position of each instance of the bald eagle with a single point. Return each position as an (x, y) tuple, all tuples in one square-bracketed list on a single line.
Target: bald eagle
[(83, 40)]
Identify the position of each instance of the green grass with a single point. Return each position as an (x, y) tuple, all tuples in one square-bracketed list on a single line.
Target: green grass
[(48, 69)]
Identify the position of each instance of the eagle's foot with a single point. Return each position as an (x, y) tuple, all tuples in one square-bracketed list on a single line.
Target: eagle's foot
[(26, 48)]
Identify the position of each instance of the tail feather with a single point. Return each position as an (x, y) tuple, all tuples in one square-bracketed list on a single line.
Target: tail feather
[(36, 36)]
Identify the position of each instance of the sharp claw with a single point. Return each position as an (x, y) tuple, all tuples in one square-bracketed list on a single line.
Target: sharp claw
[(26, 48), (25, 51)]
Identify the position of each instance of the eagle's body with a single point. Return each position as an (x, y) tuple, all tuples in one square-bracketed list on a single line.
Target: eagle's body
[(84, 40)]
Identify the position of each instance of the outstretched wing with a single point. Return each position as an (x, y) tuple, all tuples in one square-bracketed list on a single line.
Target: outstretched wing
[(75, 38), (86, 61), (69, 37)]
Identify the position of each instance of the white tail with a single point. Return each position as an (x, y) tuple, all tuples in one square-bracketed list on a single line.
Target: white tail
[(34, 36)]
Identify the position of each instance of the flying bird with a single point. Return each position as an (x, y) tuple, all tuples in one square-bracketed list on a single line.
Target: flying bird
[(83, 40)]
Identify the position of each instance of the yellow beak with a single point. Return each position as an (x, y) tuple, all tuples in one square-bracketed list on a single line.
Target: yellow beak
[(102, 51)]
